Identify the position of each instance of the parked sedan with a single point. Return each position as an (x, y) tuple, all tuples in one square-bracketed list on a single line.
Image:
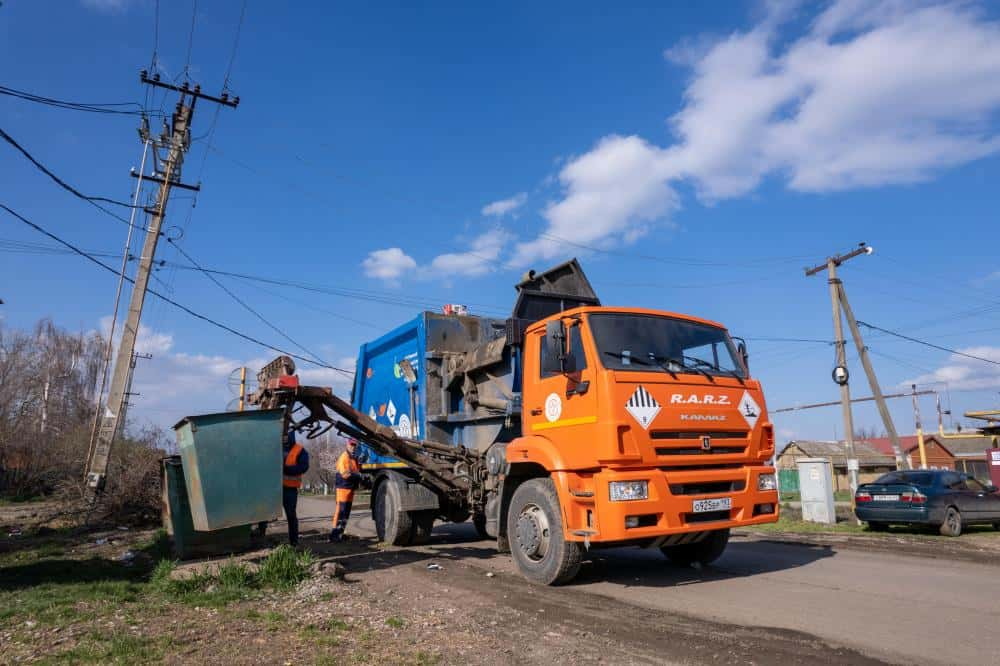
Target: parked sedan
[(946, 500)]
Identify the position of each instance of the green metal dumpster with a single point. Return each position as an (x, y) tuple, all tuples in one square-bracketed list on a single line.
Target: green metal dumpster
[(188, 543), (232, 467)]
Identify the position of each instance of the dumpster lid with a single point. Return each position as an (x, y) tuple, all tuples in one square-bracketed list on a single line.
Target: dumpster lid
[(195, 418)]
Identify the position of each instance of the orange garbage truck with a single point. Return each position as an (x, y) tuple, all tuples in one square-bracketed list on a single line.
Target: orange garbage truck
[(566, 427)]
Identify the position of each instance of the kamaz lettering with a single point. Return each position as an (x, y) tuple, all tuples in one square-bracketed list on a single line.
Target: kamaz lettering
[(702, 417)]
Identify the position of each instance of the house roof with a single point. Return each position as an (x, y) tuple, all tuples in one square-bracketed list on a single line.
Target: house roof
[(884, 444), (836, 452), (972, 446)]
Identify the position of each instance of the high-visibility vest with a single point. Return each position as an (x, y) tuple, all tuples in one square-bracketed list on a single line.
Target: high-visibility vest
[(292, 480), (347, 469)]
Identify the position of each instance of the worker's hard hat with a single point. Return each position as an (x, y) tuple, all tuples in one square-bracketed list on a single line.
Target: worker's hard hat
[(351, 441)]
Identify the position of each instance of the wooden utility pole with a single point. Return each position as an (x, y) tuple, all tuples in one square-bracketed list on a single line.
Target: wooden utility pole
[(176, 142)]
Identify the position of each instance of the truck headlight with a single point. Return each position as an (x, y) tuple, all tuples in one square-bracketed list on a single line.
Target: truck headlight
[(767, 482), (626, 491)]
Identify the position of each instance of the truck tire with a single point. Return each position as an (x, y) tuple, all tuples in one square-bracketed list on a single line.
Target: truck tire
[(392, 524), (952, 525), (705, 551), (535, 530)]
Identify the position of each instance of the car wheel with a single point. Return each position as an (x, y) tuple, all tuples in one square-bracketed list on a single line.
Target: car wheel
[(875, 526), (952, 525), (996, 526)]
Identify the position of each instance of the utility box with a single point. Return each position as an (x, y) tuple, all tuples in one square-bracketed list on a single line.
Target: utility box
[(816, 489), (232, 467)]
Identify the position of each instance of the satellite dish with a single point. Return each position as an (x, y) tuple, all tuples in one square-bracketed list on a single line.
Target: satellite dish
[(233, 382)]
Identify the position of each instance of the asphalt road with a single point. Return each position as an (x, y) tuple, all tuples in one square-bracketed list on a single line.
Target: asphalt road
[(888, 606)]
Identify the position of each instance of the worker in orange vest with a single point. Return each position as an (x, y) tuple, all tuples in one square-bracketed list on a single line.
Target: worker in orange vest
[(296, 463), (346, 480)]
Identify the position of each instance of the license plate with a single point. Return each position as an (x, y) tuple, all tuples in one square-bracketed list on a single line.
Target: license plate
[(705, 505), (885, 498)]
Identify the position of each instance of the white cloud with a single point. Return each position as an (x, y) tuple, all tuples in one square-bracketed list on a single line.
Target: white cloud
[(616, 189), (962, 373), (388, 264), (505, 206), (172, 385), (481, 258), (869, 94)]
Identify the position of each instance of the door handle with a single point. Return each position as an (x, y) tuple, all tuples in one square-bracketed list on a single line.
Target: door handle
[(537, 411)]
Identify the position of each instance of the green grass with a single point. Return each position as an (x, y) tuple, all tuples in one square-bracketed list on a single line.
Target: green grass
[(284, 568), (395, 622), (103, 648), (796, 496), (786, 524), (794, 525)]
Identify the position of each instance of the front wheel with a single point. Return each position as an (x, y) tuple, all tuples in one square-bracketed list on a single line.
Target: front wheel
[(535, 530), (952, 525), (705, 551)]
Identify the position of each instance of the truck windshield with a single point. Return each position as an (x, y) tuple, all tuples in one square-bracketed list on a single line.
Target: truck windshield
[(650, 343)]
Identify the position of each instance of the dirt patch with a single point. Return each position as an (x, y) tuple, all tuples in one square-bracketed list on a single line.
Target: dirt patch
[(72, 599)]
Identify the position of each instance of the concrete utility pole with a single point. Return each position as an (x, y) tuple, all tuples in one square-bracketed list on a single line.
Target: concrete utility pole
[(177, 142), (838, 300), (883, 409)]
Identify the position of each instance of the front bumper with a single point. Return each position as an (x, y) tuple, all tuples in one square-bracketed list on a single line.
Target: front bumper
[(591, 515)]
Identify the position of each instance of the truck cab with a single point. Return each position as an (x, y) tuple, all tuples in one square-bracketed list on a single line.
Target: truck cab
[(649, 427)]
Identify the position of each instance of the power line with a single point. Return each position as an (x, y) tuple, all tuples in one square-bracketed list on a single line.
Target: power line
[(244, 303), (171, 301), (90, 107), (927, 344), (194, 14), (66, 186), (824, 342)]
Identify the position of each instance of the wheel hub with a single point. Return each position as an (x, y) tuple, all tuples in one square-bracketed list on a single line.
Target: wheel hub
[(533, 532)]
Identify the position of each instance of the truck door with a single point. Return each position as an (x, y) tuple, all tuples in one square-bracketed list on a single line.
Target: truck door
[(555, 399)]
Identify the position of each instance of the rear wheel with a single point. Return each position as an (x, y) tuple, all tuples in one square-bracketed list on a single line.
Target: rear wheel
[(952, 525), (705, 551), (875, 526), (535, 530), (392, 524)]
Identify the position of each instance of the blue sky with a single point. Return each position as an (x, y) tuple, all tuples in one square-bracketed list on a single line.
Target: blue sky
[(419, 156)]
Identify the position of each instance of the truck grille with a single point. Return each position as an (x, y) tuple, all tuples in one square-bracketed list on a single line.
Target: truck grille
[(698, 434), (707, 487), (698, 451)]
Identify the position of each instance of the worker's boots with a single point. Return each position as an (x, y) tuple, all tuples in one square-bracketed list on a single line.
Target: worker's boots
[(336, 534)]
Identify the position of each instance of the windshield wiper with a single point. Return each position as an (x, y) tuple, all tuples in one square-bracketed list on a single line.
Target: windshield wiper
[(697, 367), (732, 373)]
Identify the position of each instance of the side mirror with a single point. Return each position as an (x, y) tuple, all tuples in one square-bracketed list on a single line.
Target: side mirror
[(556, 359), (741, 347)]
